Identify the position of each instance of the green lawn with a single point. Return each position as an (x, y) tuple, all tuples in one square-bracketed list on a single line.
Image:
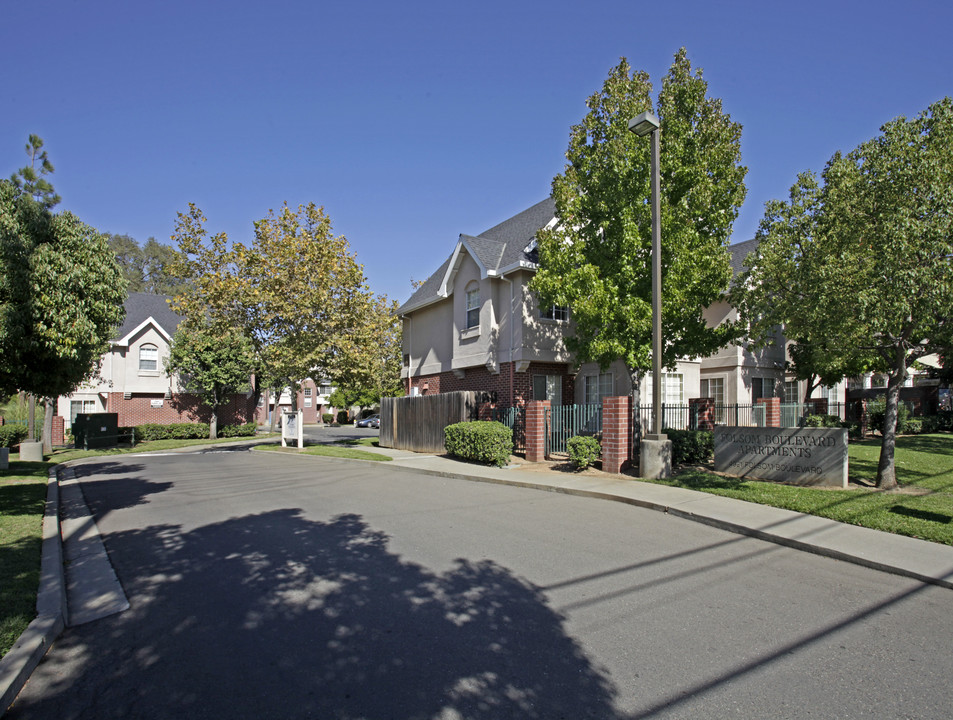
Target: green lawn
[(923, 507), (22, 497), (335, 451)]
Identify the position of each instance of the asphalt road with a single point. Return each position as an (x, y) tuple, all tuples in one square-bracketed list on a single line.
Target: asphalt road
[(278, 586)]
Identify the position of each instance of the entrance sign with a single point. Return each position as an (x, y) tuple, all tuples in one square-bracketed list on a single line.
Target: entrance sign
[(292, 428), (801, 456)]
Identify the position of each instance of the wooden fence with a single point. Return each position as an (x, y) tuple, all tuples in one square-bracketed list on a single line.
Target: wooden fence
[(417, 423)]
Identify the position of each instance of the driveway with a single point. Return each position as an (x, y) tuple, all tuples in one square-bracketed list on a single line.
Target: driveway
[(284, 586)]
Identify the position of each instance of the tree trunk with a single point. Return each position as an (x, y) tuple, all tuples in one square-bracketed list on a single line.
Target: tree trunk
[(636, 378), (213, 424), (275, 397), (811, 384), (48, 426), (887, 468)]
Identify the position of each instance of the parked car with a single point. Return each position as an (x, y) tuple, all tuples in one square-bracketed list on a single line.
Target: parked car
[(373, 421)]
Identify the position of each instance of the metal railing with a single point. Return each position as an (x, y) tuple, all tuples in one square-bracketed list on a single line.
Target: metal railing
[(566, 421)]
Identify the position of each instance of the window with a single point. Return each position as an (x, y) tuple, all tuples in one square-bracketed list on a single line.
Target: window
[(307, 397), (548, 387), (713, 388), (559, 313), (673, 389), (791, 391), (473, 308), (761, 388), (148, 358), (77, 407), (597, 387), (878, 381)]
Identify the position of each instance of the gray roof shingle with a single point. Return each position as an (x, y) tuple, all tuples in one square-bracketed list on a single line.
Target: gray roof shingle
[(142, 306)]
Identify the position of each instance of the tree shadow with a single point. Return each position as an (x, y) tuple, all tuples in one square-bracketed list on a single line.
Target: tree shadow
[(275, 615)]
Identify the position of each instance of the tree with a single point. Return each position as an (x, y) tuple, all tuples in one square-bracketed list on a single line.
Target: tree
[(297, 293), (880, 257), (147, 268), (61, 295), (211, 363), (779, 290), (597, 257), (31, 180)]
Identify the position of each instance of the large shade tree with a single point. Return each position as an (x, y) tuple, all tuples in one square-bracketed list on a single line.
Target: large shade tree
[(61, 293), (597, 257), (878, 258)]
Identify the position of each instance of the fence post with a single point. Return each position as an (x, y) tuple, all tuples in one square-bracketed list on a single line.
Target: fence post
[(772, 411), (536, 430), (616, 433)]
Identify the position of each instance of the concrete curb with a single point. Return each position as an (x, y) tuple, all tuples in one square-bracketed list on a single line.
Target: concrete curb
[(17, 665)]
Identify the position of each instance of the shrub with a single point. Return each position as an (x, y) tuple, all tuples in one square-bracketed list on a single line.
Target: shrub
[(823, 421), (175, 431), (328, 418), (691, 446), (12, 435), (484, 441), (877, 410), (342, 417), (584, 450), (913, 426), (247, 430)]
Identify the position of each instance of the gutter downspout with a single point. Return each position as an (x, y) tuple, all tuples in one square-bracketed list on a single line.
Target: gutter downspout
[(512, 364), (410, 353)]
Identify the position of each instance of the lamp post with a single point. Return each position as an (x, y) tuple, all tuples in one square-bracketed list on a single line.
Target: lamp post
[(656, 454)]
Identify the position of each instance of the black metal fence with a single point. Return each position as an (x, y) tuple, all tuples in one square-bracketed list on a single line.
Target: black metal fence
[(692, 417)]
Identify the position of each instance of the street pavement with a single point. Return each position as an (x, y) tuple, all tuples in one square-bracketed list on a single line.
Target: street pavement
[(225, 559)]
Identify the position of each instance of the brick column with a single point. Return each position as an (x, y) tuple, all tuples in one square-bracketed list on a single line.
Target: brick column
[(59, 437), (772, 411), (701, 413), (818, 406), (616, 433), (536, 430)]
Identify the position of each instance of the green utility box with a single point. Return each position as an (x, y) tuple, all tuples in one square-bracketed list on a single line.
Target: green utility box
[(96, 430)]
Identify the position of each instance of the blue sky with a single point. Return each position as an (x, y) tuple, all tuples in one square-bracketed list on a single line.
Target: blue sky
[(413, 122)]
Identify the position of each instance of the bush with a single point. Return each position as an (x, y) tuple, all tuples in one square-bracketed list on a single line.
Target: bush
[(913, 426), (584, 450), (246, 430), (342, 417), (328, 418), (823, 421), (12, 435), (876, 413), (485, 441), (175, 431), (690, 447)]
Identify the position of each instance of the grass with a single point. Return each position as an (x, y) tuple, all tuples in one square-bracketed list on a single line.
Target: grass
[(22, 498), (335, 451), (923, 508)]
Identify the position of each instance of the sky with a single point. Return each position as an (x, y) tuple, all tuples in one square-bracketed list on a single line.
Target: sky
[(413, 122)]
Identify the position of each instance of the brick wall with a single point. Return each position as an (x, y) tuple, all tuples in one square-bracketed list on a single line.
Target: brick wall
[(616, 433), (482, 380), (180, 408)]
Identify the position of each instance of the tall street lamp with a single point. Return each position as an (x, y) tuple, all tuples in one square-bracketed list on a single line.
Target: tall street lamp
[(655, 457)]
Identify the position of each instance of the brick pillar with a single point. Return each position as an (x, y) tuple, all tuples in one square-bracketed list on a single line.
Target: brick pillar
[(772, 411), (536, 430), (701, 413), (616, 433), (818, 406), (59, 437)]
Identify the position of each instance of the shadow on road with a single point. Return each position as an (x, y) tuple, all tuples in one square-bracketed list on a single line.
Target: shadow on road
[(275, 615)]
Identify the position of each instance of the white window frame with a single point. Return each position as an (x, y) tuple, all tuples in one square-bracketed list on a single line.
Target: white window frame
[(556, 313), (713, 388), (673, 389), (552, 386), (790, 397), (596, 387), (472, 313), (149, 348)]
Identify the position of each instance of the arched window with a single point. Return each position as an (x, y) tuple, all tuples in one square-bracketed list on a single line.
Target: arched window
[(473, 305), (148, 357)]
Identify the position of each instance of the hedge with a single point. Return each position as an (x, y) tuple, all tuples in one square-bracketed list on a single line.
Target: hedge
[(484, 441), (691, 446), (175, 431), (247, 430), (12, 435)]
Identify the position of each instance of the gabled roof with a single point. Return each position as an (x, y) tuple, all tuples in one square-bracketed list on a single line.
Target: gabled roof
[(141, 308), (739, 251), (501, 249)]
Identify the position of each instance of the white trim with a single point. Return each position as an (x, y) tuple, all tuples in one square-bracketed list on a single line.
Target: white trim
[(124, 341)]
